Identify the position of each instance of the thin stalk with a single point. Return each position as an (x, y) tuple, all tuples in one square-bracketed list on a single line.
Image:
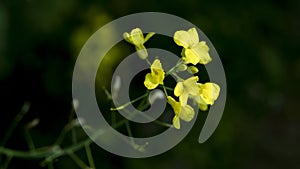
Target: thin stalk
[(78, 161), (89, 156), (45, 152), (177, 77), (18, 118), (128, 103), (29, 140), (129, 133), (73, 132), (7, 162), (62, 135), (173, 68), (142, 106), (148, 62), (165, 91), (113, 118), (169, 88), (74, 137), (25, 108), (162, 123), (50, 166)]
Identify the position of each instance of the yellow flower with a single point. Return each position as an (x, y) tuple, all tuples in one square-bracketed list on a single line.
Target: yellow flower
[(185, 112), (194, 51), (136, 38), (208, 94), (186, 88), (156, 77)]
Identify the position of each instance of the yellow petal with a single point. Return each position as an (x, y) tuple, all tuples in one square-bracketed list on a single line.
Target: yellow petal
[(182, 38), (183, 98), (156, 64), (176, 122), (160, 76), (149, 82), (174, 104), (157, 71), (127, 37), (137, 36), (187, 113), (183, 89), (201, 50), (193, 35), (156, 77), (191, 86), (148, 36), (209, 92), (203, 45), (191, 81), (178, 89), (190, 57)]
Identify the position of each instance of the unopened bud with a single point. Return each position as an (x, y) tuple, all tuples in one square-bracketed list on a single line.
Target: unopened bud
[(181, 68), (33, 123), (193, 70)]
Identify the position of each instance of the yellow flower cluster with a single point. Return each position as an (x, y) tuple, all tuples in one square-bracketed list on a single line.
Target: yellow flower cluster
[(193, 52), (202, 94)]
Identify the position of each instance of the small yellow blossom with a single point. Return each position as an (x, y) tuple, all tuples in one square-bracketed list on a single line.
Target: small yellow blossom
[(186, 88), (185, 113), (156, 77), (136, 38), (194, 51), (208, 94)]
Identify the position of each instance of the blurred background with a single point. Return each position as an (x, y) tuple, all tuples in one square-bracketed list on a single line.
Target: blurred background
[(257, 41)]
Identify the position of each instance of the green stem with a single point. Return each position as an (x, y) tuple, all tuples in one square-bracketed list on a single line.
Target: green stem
[(165, 91), (52, 152), (109, 96), (25, 108), (128, 103), (29, 140), (73, 132), (169, 88), (177, 77), (50, 166), (74, 137), (90, 156), (173, 68), (142, 107), (18, 118), (62, 135), (78, 161), (113, 118), (128, 128), (149, 63), (7, 162), (162, 123), (130, 133)]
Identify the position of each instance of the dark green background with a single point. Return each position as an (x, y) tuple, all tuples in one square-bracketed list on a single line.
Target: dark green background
[(257, 42)]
